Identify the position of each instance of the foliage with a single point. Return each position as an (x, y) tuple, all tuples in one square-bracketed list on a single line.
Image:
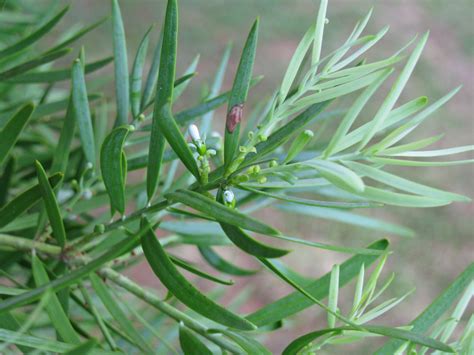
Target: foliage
[(73, 217)]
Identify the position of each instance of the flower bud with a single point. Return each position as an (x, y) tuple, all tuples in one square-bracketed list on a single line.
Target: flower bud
[(194, 133), (228, 196), (299, 144)]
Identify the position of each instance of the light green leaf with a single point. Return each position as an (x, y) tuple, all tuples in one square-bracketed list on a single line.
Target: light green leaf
[(410, 146), (190, 343), (164, 95), (247, 343), (82, 112), (238, 95), (137, 73), (182, 289), (54, 309), (111, 165), (398, 199), (189, 267), (120, 65), (12, 130), (437, 153), (338, 175), (333, 295), (51, 205), (318, 33), (403, 184), (61, 154), (84, 348), (404, 162)]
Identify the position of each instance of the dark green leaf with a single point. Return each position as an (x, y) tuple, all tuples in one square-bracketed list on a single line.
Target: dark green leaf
[(33, 63), (182, 289), (164, 94), (51, 206), (220, 212), (248, 344), (54, 309), (137, 73), (170, 130), (190, 343), (34, 37), (121, 66), (238, 95), (6, 179), (58, 75), (84, 348), (24, 201), (61, 154), (435, 310), (10, 133), (187, 266), (296, 302), (152, 76), (111, 163), (222, 265), (82, 112)]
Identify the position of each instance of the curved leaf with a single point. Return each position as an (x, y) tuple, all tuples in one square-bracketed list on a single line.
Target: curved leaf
[(190, 343), (187, 266), (182, 289), (15, 125), (137, 73), (111, 165), (222, 265), (248, 344)]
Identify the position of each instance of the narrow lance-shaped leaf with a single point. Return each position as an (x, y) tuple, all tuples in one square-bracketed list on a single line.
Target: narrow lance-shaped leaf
[(182, 289), (222, 265), (51, 205), (82, 111), (299, 343), (84, 348), (55, 311), (164, 94), (238, 95), (246, 342), (176, 140), (6, 179), (109, 301), (10, 133), (34, 37), (435, 310), (318, 33), (61, 154), (296, 302), (33, 63), (152, 76), (190, 343), (23, 201), (192, 269), (394, 93), (111, 165), (121, 66), (137, 73), (220, 212)]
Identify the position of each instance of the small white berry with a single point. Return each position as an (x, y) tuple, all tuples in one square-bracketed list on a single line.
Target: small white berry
[(229, 196)]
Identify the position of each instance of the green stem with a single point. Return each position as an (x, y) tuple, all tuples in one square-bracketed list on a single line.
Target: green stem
[(172, 312), (19, 243)]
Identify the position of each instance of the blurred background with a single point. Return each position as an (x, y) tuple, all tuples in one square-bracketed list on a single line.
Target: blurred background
[(444, 242)]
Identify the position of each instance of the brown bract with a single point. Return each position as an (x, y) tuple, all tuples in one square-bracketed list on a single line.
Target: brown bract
[(234, 117)]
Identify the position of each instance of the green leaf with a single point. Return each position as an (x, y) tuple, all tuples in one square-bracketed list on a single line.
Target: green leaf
[(61, 154), (54, 309), (337, 175), (333, 295), (296, 302), (182, 289), (183, 82), (411, 336), (24, 201), (220, 212), (354, 112), (109, 301), (279, 137), (437, 152), (398, 199), (187, 266), (403, 184), (152, 75), (238, 95), (435, 310), (190, 343), (121, 66), (6, 180), (394, 93), (137, 73), (53, 76), (34, 37), (170, 130), (247, 343), (164, 94), (318, 34), (216, 261), (296, 61), (15, 125), (111, 165), (84, 348), (395, 150), (404, 162), (33, 63), (34, 342), (250, 245), (51, 205), (82, 112)]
